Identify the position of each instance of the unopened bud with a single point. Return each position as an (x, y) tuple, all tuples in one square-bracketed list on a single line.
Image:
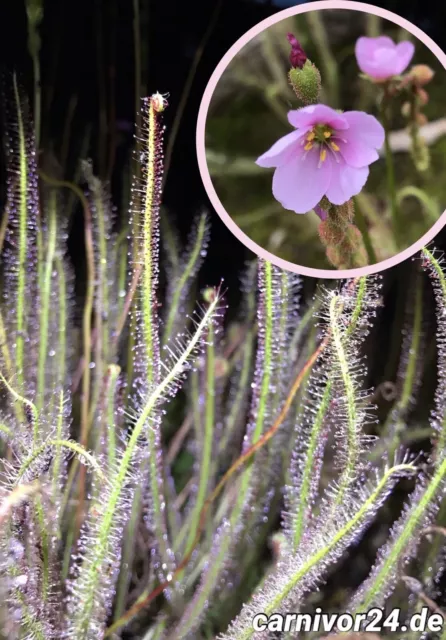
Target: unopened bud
[(334, 256), (353, 239), (298, 57), (421, 119), (322, 213), (330, 234), (423, 96), (306, 83), (344, 212), (360, 258), (421, 74), (406, 109), (325, 204)]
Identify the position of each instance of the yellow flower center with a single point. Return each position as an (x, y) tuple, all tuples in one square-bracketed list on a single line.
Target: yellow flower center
[(321, 135)]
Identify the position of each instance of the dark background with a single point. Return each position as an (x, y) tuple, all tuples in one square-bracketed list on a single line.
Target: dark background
[(73, 32)]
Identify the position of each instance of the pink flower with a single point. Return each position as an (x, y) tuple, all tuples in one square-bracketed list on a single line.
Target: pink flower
[(328, 154), (380, 58)]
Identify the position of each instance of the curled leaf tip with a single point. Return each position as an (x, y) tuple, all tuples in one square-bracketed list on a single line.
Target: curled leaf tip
[(159, 101)]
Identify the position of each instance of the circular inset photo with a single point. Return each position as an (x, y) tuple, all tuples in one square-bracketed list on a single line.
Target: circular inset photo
[(322, 139)]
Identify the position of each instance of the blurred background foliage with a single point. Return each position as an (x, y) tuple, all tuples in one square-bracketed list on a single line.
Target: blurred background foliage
[(248, 112)]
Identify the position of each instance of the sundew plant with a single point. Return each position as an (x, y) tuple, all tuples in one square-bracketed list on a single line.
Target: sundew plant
[(171, 473)]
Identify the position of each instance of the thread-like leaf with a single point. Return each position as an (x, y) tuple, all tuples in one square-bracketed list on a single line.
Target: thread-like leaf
[(332, 398), (186, 270), (90, 597), (402, 544), (22, 202), (297, 574), (434, 266)]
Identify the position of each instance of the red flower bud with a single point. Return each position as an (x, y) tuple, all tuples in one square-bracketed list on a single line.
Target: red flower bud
[(298, 57)]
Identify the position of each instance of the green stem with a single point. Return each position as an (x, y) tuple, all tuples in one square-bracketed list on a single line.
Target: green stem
[(187, 272), (307, 474), (398, 415), (113, 375), (57, 456), (362, 226), (353, 445), (206, 454), (429, 205), (63, 320), (23, 243), (31, 412), (82, 453), (45, 298), (390, 169)]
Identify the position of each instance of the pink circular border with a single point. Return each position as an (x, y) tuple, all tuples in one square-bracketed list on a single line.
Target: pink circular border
[(201, 149)]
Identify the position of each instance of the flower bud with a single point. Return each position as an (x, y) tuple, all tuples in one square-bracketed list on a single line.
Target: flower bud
[(330, 234), (344, 212), (421, 74), (322, 213), (334, 256), (353, 239), (298, 57), (325, 203), (421, 119), (406, 109), (423, 96), (306, 82)]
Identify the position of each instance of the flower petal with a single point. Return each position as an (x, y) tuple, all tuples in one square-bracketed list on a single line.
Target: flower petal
[(405, 51), (380, 57), (345, 182), (365, 127), (367, 46), (356, 153), (384, 63), (382, 66), (300, 183), (282, 150), (373, 56), (316, 114)]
